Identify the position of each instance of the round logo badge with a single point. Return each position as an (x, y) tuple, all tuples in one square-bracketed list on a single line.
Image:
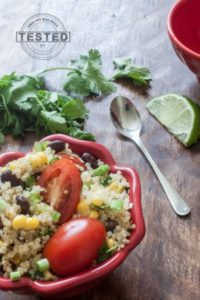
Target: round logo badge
[(43, 36)]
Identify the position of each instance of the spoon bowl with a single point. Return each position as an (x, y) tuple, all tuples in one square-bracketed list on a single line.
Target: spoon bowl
[(125, 117)]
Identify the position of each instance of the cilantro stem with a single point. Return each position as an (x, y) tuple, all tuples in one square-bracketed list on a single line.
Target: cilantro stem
[(40, 103), (6, 109), (4, 103), (59, 68), (54, 69)]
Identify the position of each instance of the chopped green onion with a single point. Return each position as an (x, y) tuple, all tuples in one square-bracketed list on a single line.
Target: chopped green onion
[(2, 205), (38, 147), (15, 275), (55, 216), (53, 159), (30, 181), (41, 207), (103, 206), (106, 180), (101, 170), (112, 249), (35, 197), (117, 205), (87, 183), (43, 264)]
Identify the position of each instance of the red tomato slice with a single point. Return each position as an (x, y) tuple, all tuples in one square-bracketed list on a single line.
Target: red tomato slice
[(74, 246), (63, 184), (74, 159)]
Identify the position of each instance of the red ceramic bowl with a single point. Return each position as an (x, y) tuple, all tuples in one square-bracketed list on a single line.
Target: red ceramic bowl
[(73, 285), (184, 32)]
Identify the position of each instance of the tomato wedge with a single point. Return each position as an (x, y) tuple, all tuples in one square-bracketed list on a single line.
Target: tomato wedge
[(63, 184), (74, 159)]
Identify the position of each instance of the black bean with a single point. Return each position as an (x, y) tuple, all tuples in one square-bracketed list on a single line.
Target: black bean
[(24, 204), (111, 225), (89, 158), (1, 224), (10, 177), (1, 269), (57, 146)]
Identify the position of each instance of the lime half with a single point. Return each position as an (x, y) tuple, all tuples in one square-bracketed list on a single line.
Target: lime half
[(180, 115)]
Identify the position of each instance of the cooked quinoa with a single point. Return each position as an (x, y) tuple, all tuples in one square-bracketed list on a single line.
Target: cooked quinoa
[(103, 197)]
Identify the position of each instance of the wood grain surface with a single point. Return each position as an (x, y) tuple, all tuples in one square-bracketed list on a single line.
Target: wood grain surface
[(166, 265)]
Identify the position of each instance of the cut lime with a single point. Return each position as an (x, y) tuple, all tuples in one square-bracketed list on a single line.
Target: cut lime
[(180, 115)]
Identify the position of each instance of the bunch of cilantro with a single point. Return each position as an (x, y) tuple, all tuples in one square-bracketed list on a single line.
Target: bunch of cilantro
[(26, 107)]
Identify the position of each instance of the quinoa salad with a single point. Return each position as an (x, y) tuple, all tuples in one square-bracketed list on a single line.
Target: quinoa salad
[(30, 213)]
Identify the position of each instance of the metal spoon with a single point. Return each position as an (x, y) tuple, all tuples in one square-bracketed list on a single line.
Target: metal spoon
[(127, 120)]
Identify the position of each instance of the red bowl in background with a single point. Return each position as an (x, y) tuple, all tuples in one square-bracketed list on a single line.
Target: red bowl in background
[(184, 32), (76, 284)]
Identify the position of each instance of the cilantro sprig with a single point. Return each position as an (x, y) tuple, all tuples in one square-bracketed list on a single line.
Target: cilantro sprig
[(85, 76), (124, 68)]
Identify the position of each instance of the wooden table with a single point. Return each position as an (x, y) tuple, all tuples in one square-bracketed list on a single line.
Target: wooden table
[(166, 265)]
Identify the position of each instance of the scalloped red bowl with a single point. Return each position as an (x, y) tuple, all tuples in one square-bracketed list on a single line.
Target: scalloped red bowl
[(74, 285)]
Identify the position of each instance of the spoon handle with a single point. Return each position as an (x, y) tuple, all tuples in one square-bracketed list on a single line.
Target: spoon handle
[(177, 202)]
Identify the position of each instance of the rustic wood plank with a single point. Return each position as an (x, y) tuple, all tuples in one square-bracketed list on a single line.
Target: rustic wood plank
[(167, 263)]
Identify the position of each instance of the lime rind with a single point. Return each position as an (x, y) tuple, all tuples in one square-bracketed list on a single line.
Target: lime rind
[(179, 114)]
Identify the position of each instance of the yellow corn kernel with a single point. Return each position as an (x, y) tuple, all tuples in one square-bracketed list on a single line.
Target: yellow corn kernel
[(97, 202), (12, 167), (83, 209), (110, 242), (38, 159), (19, 222), (116, 187), (94, 214), (1, 242), (32, 223)]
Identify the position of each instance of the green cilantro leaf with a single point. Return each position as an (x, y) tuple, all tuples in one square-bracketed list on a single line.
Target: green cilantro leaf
[(86, 77), (30, 181), (77, 85), (54, 121), (94, 56), (104, 253), (105, 181), (6, 79), (124, 68), (80, 134), (74, 109)]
